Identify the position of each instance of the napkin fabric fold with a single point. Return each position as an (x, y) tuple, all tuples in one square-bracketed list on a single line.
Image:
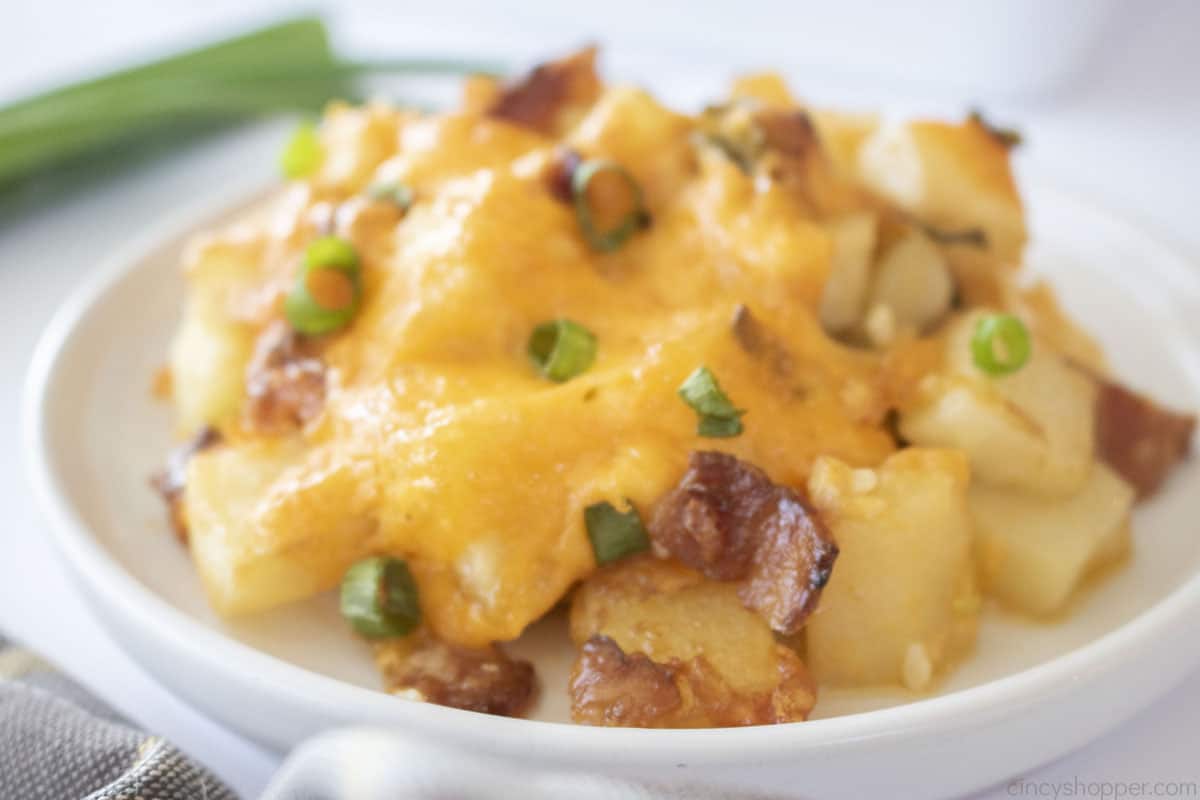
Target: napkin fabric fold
[(58, 742)]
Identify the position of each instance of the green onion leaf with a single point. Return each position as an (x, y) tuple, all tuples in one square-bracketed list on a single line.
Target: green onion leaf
[(562, 349), (608, 203), (287, 66), (328, 288), (614, 535), (1001, 344), (379, 598), (302, 155), (719, 427), (718, 417), (398, 194)]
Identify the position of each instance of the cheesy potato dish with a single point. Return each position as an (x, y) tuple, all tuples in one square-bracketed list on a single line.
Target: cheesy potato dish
[(759, 394)]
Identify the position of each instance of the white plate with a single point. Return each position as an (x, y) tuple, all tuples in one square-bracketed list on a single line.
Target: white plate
[(1030, 694)]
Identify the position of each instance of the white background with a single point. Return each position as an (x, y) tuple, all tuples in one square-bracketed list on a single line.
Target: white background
[(1123, 127)]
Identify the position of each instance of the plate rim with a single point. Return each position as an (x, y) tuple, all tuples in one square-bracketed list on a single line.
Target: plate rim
[(552, 741)]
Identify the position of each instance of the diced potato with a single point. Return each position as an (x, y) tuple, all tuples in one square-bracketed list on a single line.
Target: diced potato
[(913, 280), (211, 348), (901, 603), (717, 662), (844, 296), (208, 358), (1031, 430), (956, 177), (1034, 551), (259, 536)]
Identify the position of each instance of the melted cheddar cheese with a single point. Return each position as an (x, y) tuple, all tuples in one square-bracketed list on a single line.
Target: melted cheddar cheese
[(438, 441)]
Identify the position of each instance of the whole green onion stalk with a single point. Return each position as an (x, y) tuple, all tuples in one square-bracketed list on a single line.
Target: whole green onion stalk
[(286, 67)]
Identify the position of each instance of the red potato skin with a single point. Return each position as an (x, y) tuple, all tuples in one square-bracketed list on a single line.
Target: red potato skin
[(1139, 439)]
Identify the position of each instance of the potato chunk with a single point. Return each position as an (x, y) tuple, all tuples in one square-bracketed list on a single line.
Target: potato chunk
[(661, 646), (1032, 430), (271, 521), (901, 603), (845, 293), (956, 177), (913, 281), (485, 679), (1034, 551)]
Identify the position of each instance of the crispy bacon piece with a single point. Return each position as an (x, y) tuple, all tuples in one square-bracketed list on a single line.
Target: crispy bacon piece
[(1138, 438), (483, 679), (727, 520), (611, 687), (536, 100), (171, 480), (285, 386)]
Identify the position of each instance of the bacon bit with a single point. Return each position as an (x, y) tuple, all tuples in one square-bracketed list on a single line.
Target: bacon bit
[(729, 521), (1138, 438), (611, 687), (562, 172), (536, 100), (790, 133), (285, 387), (171, 480), (484, 679)]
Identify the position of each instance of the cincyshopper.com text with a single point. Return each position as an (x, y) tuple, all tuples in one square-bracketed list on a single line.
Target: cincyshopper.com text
[(1107, 790)]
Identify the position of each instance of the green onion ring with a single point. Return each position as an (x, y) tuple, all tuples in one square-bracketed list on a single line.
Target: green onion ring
[(636, 219), (303, 310), (379, 598), (303, 154), (718, 418), (562, 349), (613, 534), (1001, 344)]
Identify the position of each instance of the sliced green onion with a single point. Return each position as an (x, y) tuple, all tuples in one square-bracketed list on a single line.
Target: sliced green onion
[(398, 194), (614, 535), (718, 416), (302, 155), (379, 598), (562, 349), (719, 427), (328, 288), (587, 211), (1001, 344)]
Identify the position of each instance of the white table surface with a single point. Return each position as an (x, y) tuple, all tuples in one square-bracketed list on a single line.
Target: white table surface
[(1126, 134)]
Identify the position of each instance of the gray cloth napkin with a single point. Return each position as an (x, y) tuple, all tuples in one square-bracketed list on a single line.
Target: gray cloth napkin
[(58, 742)]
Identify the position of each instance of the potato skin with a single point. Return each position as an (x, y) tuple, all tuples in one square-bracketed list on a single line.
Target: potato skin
[(1138, 438), (663, 647), (484, 679)]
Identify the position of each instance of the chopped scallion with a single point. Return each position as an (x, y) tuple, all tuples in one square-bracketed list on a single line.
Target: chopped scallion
[(302, 155), (398, 194), (379, 598), (718, 416), (608, 203), (613, 534), (1001, 344), (328, 288), (562, 349)]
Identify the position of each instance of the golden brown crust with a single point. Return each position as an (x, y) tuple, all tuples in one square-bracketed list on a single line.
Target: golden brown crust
[(611, 687), (476, 679), (285, 383), (729, 521), (171, 480), (1138, 438), (537, 100)]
